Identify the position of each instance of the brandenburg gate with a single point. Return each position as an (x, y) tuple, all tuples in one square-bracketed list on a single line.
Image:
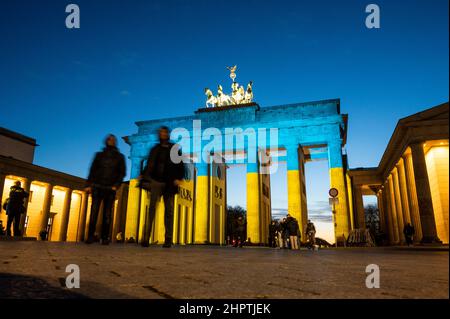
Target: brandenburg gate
[(232, 129)]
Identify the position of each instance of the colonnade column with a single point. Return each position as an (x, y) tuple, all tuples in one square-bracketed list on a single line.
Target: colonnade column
[(412, 195), (201, 204), (337, 180), (2, 186), (83, 214), (427, 220), (253, 203), (398, 204), (46, 207), (65, 215), (26, 186), (393, 215), (359, 203), (388, 211), (294, 187), (381, 211), (404, 191)]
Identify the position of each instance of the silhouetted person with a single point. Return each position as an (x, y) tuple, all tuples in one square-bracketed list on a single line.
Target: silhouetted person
[(273, 234), (105, 177), (15, 208), (239, 230), (409, 232), (164, 176), (311, 233), (293, 230)]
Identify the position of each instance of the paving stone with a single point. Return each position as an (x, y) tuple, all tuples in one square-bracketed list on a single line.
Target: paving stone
[(37, 270)]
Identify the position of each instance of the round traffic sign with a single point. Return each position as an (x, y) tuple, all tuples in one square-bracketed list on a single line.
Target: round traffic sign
[(333, 192)]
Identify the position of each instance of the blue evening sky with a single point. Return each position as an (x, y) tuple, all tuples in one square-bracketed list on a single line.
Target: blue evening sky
[(138, 60)]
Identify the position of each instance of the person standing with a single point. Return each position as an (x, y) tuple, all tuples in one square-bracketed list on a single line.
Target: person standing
[(273, 234), (15, 208), (409, 232), (292, 227), (164, 176), (105, 177), (311, 234)]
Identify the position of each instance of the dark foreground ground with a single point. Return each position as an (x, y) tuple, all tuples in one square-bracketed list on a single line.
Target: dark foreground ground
[(37, 270)]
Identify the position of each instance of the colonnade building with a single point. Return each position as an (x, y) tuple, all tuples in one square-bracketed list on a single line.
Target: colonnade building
[(412, 180), (57, 201)]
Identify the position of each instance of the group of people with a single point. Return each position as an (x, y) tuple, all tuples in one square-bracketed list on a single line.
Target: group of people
[(161, 176), (286, 234)]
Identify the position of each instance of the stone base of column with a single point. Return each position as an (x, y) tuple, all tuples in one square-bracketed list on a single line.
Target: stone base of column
[(430, 240)]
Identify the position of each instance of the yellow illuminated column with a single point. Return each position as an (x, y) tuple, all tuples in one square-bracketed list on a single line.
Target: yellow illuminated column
[(398, 204), (253, 204), (381, 211), (438, 173), (190, 225), (337, 180), (294, 187), (82, 220), (201, 204), (144, 201), (427, 219), (46, 207), (65, 215), (350, 201), (403, 191), (26, 185), (388, 212), (412, 194), (176, 220), (396, 237), (182, 229), (2, 186), (133, 208)]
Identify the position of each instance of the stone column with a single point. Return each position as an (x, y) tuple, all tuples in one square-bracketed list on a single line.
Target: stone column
[(83, 214), (404, 191), (394, 220), (253, 204), (65, 215), (412, 195), (26, 185), (398, 205), (337, 180), (46, 207), (387, 212), (381, 212), (428, 223), (359, 206), (2, 186), (294, 187), (201, 204)]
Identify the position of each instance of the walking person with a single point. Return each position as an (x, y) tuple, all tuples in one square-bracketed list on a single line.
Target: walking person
[(409, 232), (14, 208), (163, 176), (105, 177)]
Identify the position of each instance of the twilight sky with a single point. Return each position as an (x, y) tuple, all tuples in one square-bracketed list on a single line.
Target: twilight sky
[(138, 60)]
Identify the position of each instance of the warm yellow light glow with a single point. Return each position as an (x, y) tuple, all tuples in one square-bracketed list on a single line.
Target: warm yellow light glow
[(438, 173)]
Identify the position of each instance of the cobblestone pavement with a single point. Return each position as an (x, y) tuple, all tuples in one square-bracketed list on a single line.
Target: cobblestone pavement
[(37, 270)]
